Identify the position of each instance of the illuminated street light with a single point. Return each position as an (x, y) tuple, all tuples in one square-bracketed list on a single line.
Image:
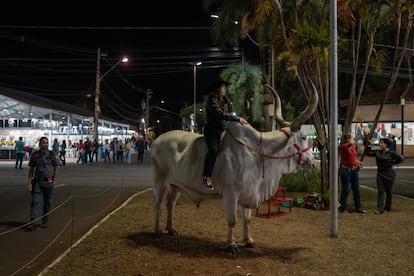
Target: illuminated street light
[(198, 63), (99, 78)]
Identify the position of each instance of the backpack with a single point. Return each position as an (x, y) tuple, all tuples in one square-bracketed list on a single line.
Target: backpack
[(313, 201)]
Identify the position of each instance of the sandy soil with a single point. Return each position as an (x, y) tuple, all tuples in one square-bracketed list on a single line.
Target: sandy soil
[(297, 244)]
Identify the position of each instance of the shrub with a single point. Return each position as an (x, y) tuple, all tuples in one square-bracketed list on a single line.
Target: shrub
[(302, 180)]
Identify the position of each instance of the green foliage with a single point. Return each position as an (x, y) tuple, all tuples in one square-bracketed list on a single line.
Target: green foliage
[(378, 59), (200, 115), (244, 91), (302, 180)]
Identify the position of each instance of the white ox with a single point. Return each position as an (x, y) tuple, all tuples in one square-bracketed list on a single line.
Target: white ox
[(247, 170)]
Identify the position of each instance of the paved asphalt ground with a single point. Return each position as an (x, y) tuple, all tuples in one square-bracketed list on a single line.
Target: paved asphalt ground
[(84, 195)]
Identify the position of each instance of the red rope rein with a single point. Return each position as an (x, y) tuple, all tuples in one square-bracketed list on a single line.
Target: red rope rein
[(262, 154)]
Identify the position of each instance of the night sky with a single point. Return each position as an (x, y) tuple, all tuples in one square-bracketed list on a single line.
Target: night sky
[(51, 51)]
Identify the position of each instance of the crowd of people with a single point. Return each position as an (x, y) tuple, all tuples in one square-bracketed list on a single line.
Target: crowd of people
[(88, 151)]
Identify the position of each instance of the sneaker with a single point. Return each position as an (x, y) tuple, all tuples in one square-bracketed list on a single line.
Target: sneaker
[(360, 211), (30, 228), (207, 183), (43, 225), (378, 212)]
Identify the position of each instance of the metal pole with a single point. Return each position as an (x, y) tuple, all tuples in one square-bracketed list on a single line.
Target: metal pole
[(402, 125), (195, 95), (97, 94), (333, 135), (147, 112)]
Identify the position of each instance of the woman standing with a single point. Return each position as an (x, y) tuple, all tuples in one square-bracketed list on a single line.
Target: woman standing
[(385, 159), (349, 172)]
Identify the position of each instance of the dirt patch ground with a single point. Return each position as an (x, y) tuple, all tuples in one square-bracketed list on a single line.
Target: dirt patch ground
[(297, 244)]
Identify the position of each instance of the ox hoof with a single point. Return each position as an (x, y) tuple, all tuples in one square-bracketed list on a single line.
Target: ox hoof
[(250, 245), (232, 248), (172, 233)]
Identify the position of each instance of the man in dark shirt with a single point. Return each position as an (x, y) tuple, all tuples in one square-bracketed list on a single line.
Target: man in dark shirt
[(41, 180)]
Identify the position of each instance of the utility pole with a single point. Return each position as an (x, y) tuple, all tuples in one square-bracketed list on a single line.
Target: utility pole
[(149, 93), (97, 94)]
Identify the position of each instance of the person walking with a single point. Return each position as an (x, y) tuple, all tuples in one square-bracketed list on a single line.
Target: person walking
[(349, 173), (81, 152), (41, 181), (120, 148), (218, 111), (55, 147), (106, 149), (385, 158), (20, 153), (140, 149), (112, 145), (128, 151), (62, 154)]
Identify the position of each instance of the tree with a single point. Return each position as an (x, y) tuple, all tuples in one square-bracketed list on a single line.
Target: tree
[(299, 32)]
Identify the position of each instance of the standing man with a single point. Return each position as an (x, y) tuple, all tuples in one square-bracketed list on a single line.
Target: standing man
[(19, 148), (42, 178)]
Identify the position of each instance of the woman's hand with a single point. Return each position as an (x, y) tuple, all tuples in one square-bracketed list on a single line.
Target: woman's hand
[(243, 121)]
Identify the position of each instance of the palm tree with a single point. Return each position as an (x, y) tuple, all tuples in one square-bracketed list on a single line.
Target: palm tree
[(245, 91)]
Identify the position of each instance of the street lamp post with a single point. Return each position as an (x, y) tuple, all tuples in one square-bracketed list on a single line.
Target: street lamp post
[(402, 125), (198, 63), (99, 78)]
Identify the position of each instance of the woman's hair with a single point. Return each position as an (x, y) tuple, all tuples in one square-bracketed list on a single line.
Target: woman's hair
[(386, 141), (346, 139)]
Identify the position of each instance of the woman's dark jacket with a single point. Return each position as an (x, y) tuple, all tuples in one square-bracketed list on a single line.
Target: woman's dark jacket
[(216, 116), (385, 160)]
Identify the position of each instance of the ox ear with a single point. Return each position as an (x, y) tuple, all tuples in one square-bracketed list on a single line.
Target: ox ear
[(309, 110)]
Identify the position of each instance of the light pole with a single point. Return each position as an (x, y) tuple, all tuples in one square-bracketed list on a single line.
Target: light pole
[(99, 78), (402, 125), (195, 64)]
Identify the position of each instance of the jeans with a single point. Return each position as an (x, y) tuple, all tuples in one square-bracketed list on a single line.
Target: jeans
[(349, 177), (212, 136), (128, 156), (385, 181), (19, 159), (106, 154), (39, 188), (140, 156)]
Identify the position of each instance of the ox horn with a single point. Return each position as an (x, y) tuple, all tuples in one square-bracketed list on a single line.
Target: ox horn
[(278, 108), (301, 119), (309, 110)]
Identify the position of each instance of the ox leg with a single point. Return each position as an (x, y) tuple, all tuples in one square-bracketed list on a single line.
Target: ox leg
[(246, 215), (171, 200), (230, 209), (159, 190)]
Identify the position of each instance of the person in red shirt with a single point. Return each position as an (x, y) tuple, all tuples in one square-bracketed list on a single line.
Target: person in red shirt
[(349, 172)]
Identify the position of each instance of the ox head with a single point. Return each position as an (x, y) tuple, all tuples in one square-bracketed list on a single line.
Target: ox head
[(299, 149)]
